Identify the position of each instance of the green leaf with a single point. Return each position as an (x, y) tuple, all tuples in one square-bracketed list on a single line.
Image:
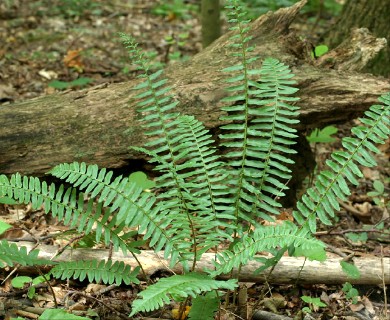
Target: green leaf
[(7, 200), (31, 292), (314, 301), (19, 282), (178, 286), (80, 82), (322, 136), (204, 307), (60, 85), (141, 179), (38, 280), (379, 186), (321, 50), (317, 254), (357, 237), (59, 314), (4, 226), (350, 269)]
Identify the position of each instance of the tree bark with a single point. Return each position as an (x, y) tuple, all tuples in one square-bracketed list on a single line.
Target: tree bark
[(373, 15), (98, 125), (211, 21), (288, 270)]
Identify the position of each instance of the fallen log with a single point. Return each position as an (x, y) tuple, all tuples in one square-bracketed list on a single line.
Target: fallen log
[(97, 125), (373, 270)]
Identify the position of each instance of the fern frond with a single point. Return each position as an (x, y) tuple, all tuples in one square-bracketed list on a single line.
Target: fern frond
[(96, 271), (261, 114), (263, 239), (177, 286), (68, 206), (191, 172), (322, 199), (10, 254), (129, 205)]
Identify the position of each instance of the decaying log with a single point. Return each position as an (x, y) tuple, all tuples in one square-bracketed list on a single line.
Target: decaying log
[(287, 270), (97, 125)]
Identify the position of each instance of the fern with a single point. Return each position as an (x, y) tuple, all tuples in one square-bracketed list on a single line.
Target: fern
[(191, 172), (67, 205), (95, 271), (128, 205), (178, 286), (11, 254), (264, 239), (259, 133), (322, 199)]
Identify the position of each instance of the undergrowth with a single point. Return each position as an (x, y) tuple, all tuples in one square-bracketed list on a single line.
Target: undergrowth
[(205, 203)]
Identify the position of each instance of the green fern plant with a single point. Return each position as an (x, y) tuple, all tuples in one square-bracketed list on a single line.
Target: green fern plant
[(204, 200)]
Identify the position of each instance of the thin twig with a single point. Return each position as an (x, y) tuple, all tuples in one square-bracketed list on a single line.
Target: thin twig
[(120, 314), (384, 284)]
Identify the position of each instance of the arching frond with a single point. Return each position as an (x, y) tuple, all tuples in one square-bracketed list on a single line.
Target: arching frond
[(129, 205), (68, 205), (191, 171), (264, 239), (322, 199), (260, 134), (177, 286)]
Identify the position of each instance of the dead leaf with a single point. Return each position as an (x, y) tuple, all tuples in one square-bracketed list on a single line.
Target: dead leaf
[(73, 60), (48, 74), (367, 303), (94, 288), (175, 313)]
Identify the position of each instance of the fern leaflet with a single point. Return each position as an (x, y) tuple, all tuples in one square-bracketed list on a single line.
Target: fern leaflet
[(97, 271), (10, 254), (178, 286), (322, 199)]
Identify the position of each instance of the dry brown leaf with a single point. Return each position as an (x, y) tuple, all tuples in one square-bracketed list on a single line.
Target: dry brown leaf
[(73, 60)]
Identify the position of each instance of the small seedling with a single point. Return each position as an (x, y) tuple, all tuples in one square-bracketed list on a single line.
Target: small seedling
[(319, 51), (350, 292), (21, 281), (314, 304), (379, 195)]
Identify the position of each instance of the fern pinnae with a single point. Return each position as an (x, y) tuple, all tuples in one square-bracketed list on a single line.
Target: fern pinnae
[(274, 119), (10, 254), (178, 286), (164, 126), (263, 239), (96, 271), (127, 205), (182, 169), (322, 199), (238, 137)]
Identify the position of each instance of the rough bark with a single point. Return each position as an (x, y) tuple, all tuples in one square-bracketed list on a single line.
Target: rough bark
[(211, 21), (288, 270), (370, 14), (98, 125)]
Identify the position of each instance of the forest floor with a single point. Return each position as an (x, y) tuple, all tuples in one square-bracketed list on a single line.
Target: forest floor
[(47, 46)]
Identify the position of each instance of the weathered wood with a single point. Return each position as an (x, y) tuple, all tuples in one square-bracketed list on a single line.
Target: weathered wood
[(287, 270), (98, 125)]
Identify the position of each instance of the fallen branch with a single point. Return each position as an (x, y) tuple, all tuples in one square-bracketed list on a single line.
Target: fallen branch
[(287, 270), (97, 125)]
